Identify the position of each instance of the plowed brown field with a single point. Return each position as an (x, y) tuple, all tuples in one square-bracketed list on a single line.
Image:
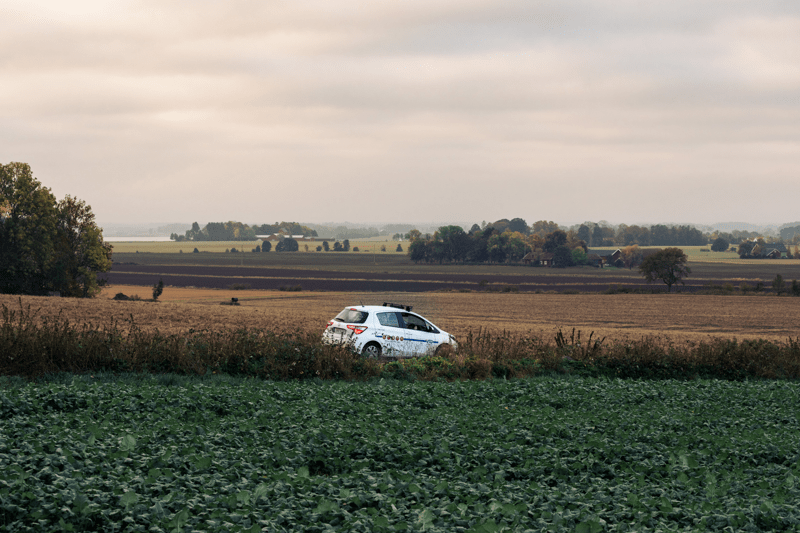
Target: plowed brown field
[(676, 317)]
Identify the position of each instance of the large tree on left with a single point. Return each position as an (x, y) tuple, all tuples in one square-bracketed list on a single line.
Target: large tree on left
[(47, 245)]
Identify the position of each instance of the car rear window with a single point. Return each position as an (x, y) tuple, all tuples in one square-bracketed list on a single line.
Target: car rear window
[(388, 319), (352, 316)]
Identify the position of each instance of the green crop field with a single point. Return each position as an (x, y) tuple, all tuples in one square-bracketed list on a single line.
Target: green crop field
[(167, 453)]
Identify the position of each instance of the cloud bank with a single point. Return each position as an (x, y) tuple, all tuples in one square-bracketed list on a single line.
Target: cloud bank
[(407, 111)]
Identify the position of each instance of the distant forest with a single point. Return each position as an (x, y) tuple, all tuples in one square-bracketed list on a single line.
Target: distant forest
[(545, 243), (236, 231), (592, 234)]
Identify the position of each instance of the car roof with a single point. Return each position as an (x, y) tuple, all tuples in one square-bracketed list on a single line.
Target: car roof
[(380, 308)]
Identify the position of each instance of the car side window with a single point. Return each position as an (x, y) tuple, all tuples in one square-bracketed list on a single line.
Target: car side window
[(388, 319), (414, 322)]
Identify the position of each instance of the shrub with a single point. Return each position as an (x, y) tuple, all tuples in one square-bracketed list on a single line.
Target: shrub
[(290, 288), (195, 251), (158, 288), (239, 286), (287, 245), (778, 285)]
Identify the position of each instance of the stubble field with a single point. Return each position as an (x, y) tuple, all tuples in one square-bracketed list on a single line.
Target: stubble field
[(675, 317)]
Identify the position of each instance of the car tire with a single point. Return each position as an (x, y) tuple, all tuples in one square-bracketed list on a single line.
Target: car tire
[(373, 349), (443, 350)]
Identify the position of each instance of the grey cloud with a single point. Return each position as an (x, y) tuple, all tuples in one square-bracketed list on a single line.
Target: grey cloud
[(515, 96)]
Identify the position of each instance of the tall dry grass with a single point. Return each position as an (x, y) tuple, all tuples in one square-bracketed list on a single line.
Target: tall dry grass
[(32, 346)]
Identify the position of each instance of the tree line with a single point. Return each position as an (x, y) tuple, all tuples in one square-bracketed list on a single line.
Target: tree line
[(237, 231), (452, 244), (509, 241), (47, 245)]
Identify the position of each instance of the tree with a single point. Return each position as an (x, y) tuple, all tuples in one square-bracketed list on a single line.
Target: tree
[(778, 285), (719, 245), (450, 243), (158, 288), (325, 246), (45, 245), (416, 250), (584, 233), (346, 245), (631, 256), (555, 239), (562, 257), (515, 247), (519, 225), (667, 265), (287, 245), (266, 246), (414, 235), (602, 236), (337, 247), (543, 227), (497, 247), (80, 252), (579, 257), (399, 248), (745, 249)]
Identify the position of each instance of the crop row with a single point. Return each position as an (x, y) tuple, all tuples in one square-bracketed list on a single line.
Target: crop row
[(167, 453)]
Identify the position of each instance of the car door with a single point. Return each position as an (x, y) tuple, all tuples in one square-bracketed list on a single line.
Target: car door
[(391, 334), (421, 337)]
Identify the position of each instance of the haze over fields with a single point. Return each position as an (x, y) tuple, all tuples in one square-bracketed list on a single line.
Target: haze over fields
[(380, 112)]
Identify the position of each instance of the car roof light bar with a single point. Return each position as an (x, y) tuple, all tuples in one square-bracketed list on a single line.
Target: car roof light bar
[(398, 306)]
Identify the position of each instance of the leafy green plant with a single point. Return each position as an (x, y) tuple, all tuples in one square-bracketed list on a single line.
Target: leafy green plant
[(559, 453)]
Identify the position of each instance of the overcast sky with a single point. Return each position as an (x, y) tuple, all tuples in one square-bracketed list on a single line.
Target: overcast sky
[(407, 111)]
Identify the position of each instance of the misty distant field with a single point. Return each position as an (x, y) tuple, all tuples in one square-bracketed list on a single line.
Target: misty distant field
[(172, 247)]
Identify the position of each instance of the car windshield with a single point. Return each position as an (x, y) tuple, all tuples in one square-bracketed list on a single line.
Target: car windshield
[(352, 316)]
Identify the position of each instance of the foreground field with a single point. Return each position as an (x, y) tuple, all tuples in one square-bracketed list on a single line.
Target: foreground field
[(170, 454), (676, 317)]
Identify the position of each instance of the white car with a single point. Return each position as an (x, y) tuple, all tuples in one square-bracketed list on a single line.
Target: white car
[(389, 329)]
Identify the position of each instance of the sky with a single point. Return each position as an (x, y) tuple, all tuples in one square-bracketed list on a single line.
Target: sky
[(381, 111)]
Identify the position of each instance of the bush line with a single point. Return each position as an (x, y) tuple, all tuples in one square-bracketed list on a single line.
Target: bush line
[(33, 348)]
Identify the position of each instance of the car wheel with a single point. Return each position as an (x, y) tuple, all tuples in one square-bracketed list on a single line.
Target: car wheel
[(372, 349), (443, 350)]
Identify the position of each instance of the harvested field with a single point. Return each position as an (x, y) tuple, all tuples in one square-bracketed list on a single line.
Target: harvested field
[(676, 317), (353, 272)]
